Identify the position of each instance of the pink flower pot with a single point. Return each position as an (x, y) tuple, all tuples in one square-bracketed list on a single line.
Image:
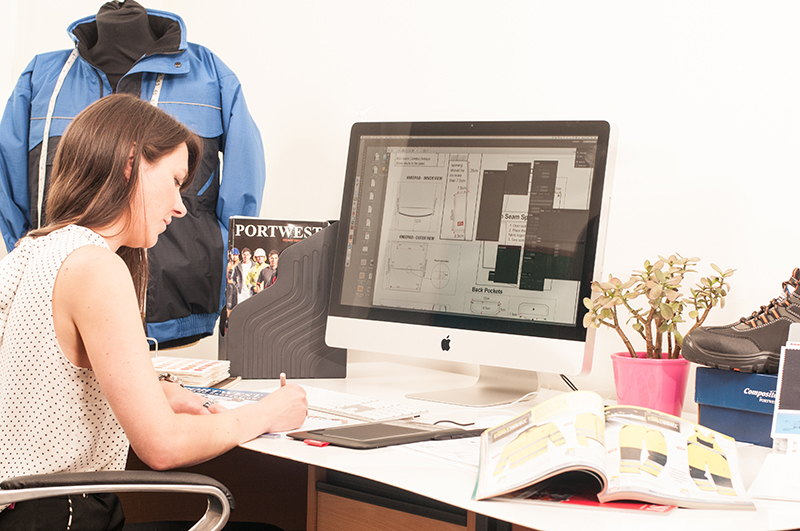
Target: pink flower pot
[(658, 384)]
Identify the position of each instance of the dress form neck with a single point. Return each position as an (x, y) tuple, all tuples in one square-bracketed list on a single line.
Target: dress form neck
[(123, 37)]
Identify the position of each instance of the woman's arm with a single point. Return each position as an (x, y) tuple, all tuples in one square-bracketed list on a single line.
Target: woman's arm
[(98, 324)]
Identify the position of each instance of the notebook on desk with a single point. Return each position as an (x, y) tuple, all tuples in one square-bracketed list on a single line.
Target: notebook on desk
[(380, 434)]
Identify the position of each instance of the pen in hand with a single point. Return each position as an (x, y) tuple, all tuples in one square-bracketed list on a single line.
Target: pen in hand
[(283, 379)]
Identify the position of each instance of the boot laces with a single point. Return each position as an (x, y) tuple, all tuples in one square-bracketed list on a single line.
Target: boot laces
[(769, 312)]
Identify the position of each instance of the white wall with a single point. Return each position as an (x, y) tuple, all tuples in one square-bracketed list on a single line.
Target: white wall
[(703, 94)]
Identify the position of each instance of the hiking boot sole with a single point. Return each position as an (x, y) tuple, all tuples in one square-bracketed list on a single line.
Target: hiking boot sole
[(759, 362)]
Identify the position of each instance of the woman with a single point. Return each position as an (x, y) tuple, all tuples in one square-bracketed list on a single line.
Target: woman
[(76, 381)]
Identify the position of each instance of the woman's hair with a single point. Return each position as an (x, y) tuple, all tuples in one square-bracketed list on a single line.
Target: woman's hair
[(89, 187)]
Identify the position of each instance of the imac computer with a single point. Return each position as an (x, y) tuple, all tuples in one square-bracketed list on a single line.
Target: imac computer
[(474, 243)]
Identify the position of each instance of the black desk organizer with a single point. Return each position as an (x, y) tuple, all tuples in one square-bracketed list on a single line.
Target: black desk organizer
[(282, 328)]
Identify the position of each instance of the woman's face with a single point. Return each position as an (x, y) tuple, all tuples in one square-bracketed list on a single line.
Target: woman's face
[(159, 198)]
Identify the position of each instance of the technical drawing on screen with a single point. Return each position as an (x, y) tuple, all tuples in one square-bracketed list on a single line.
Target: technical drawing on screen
[(487, 231), (467, 232)]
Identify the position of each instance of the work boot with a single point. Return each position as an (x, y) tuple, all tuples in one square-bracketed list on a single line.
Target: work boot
[(753, 344)]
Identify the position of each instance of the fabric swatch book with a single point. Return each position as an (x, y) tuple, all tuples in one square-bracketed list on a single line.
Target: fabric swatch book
[(196, 372), (572, 444)]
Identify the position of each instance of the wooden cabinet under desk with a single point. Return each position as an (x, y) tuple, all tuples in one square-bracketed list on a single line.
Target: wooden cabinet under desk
[(341, 502)]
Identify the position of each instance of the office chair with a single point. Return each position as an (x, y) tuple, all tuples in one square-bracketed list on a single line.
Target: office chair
[(220, 500)]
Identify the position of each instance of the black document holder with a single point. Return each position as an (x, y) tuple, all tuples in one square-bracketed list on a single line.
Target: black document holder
[(282, 328)]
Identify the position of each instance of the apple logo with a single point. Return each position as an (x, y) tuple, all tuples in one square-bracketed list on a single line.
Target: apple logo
[(446, 344)]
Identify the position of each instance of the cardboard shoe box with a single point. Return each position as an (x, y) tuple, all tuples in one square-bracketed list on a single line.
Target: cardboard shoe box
[(737, 404)]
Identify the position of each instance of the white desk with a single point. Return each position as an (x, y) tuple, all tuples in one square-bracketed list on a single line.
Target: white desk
[(427, 476)]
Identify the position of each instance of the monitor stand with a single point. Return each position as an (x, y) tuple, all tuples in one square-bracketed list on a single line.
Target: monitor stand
[(495, 386)]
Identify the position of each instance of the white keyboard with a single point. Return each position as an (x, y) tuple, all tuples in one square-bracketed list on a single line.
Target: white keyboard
[(358, 407)]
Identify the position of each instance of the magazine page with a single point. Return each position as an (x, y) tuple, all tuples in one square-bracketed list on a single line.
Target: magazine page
[(573, 489), (564, 433), (660, 458)]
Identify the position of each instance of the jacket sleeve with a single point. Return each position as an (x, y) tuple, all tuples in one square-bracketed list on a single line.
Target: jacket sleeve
[(14, 193), (243, 166)]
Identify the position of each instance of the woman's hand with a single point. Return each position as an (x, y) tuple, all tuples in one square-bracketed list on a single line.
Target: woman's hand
[(184, 401), (286, 407)]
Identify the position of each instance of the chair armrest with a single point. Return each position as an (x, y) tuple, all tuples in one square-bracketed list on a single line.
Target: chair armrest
[(220, 499)]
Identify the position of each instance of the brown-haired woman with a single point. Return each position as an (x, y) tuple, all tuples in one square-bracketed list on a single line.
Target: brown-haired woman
[(76, 381)]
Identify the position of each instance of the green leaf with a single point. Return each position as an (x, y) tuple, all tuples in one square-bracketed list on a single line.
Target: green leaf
[(666, 311)]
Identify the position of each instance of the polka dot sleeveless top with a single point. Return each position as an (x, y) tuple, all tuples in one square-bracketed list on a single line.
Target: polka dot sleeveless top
[(53, 416)]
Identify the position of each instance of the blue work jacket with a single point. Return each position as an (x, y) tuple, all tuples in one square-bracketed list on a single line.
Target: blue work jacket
[(187, 265)]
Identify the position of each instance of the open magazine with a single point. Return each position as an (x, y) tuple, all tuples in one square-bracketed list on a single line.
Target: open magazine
[(572, 444)]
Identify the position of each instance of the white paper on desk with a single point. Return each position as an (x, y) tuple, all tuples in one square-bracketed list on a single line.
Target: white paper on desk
[(463, 452), (779, 478), (311, 423)]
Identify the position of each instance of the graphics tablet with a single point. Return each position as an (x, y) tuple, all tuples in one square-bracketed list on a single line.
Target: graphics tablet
[(379, 434)]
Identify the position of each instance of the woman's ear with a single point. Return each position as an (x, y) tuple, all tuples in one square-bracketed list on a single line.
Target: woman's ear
[(129, 165)]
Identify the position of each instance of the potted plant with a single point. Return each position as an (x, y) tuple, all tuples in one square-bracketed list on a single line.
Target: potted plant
[(655, 321)]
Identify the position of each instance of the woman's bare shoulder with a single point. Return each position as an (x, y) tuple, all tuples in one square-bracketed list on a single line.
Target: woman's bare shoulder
[(91, 266), (89, 255)]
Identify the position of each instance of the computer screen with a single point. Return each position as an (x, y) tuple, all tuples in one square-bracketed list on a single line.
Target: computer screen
[(472, 242)]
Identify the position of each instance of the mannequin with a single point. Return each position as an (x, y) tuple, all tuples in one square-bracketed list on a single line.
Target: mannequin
[(123, 37)]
